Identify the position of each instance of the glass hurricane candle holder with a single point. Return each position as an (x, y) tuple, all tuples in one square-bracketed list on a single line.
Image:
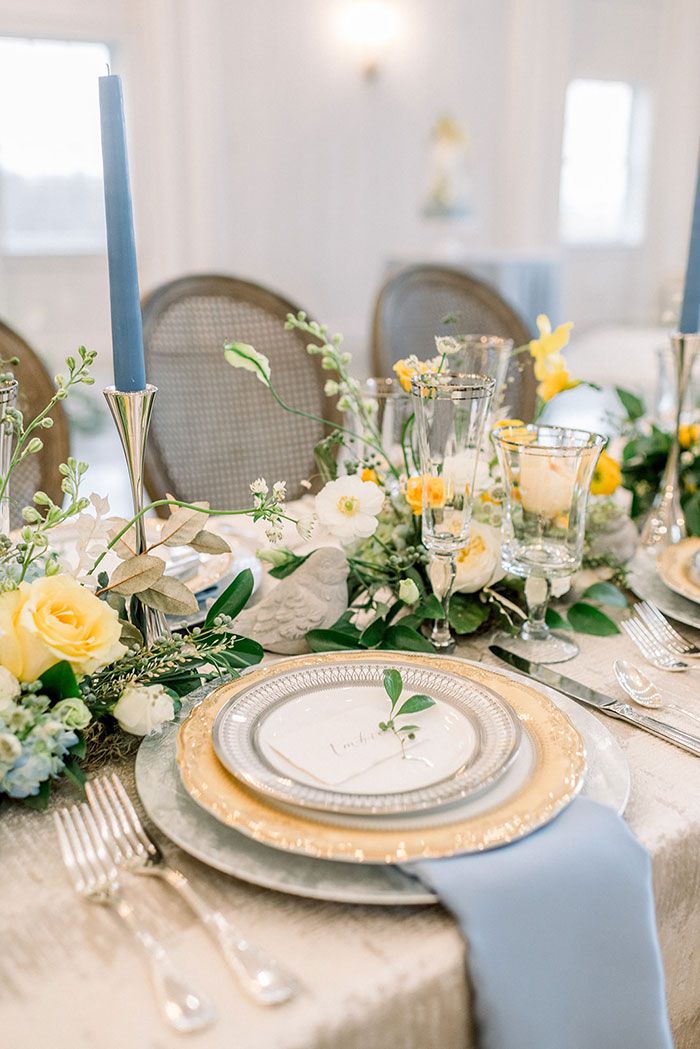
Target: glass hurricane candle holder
[(547, 473), (450, 412)]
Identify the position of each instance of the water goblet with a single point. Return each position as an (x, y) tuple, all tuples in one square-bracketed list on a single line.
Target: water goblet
[(450, 412), (546, 473)]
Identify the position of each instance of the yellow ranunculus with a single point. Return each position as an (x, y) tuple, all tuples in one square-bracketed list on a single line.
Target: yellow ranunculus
[(435, 491), (550, 342), (607, 475), (53, 619), (369, 475), (688, 434), (508, 422), (404, 373), (410, 366)]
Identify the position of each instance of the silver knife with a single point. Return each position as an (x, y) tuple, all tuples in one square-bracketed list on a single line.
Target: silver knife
[(599, 701)]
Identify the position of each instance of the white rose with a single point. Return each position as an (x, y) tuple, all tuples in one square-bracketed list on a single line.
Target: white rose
[(479, 562), (143, 708), (9, 685)]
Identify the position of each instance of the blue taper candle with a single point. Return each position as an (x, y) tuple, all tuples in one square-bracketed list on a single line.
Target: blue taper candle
[(127, 331), (690, 312)]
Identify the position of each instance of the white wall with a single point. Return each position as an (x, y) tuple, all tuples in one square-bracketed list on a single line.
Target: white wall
[(258, 149)]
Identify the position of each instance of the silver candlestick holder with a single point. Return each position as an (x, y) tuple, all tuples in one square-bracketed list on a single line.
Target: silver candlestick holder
[(132, 416), (665, 522)]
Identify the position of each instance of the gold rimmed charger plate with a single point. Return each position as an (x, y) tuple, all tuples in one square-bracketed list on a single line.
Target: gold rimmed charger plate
[(674, 564), (556, 779)]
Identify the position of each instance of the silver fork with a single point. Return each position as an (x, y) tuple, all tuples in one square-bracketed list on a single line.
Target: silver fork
[(95, 877), (652, 649), (133, 848), (659, 626)]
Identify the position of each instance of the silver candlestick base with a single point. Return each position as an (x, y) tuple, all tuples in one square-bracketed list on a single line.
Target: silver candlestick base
[(665, 523), (132, 416)]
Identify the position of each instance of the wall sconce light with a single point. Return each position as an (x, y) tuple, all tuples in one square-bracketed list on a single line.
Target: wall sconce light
[(368, 28)]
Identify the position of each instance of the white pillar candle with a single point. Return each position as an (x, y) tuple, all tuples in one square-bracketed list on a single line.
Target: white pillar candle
[(547, 483)]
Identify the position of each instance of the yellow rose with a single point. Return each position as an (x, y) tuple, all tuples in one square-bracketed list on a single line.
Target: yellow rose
[(52, 619), (435, 489), (687, 435), (607, 475)]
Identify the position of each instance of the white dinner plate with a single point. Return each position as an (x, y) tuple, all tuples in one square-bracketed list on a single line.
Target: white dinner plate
[(463, 744), (178, 817)]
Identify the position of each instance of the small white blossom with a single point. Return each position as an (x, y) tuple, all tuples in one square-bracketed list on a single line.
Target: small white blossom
[(408, 591), (9, 685), (259, 486), (279, 491), (305, 484), (331, 388), (274, 531), (306, 526)]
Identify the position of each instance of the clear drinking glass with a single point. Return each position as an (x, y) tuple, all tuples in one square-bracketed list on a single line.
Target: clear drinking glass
[(547, 473), (481, 355), (388, 410), (450, 411)]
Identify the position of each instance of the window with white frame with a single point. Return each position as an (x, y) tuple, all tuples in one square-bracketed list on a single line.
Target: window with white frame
[(604, 160), (50, 160)]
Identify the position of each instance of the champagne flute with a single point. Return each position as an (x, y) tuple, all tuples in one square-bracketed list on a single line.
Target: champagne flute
[(451, 410)]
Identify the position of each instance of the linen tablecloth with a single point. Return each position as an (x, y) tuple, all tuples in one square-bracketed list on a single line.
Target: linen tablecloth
[(374, 977)]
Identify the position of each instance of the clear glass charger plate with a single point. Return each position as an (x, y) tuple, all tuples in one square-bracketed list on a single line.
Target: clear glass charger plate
[(644, 581), (178, 817), (463, 746), (554, 781)]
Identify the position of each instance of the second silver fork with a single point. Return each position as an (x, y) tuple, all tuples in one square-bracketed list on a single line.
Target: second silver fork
[(133, 848)]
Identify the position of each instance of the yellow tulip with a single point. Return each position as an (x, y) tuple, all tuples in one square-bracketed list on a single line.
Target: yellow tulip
[(607, 475), (553, 377), (53, 619)]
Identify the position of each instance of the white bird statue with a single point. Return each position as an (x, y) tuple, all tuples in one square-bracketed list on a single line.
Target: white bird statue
[(312, 598)]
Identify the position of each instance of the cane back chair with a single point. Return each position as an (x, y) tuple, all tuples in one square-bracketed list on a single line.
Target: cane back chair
[(36, 387), (417, 303), (216, 428)]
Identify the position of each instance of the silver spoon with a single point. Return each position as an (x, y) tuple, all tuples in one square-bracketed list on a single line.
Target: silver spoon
[(643, 691)]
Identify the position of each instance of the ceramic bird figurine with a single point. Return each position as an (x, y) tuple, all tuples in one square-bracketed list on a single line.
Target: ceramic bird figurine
[(312, 598)]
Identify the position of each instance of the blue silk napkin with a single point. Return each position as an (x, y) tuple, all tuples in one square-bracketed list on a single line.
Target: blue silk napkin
[(563, 950)]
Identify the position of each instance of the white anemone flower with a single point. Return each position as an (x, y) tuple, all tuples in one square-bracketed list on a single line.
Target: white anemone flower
[(348, 507)]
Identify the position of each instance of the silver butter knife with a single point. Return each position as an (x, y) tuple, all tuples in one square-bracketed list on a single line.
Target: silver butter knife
[(599, 701)]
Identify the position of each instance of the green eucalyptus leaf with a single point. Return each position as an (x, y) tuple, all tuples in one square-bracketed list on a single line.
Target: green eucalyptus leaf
[(393, 685), (467, 613), (555, 620), (136, 574), (331, 641), (234, 598), (588, 619), (401, 637), (209, 543), (415, 704), (374, 633), (633, 405), (170, 596), (605, 594), (60, 682)]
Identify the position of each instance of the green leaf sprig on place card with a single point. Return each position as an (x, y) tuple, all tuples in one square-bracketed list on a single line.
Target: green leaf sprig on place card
[(393, 686)]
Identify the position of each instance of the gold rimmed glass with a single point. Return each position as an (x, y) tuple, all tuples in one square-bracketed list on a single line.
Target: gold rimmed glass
[(480, 355), (451, 410), (547, 473)]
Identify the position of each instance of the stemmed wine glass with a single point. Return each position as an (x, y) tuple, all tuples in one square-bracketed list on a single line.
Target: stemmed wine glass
[(547, 473), (450, 410)]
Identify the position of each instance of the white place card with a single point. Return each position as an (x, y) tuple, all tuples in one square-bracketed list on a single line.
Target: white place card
[(341, 746)]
